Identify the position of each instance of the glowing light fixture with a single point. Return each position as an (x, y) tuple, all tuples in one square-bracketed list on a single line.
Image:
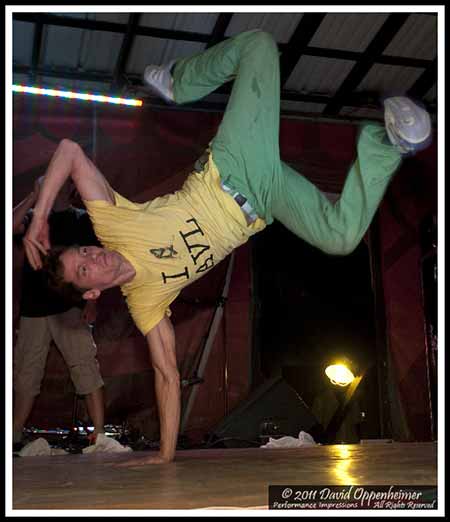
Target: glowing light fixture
[(77, 95), (339, 374)]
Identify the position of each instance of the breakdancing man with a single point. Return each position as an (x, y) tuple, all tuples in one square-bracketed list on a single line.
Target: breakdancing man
[(154, 249)]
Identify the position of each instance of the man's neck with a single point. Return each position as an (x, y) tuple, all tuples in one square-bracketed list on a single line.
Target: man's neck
[(127, 272)]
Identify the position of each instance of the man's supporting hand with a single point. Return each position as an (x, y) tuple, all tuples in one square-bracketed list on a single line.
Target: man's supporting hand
[(144, 461)]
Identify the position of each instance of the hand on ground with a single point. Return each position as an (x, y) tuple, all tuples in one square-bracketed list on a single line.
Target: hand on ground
[(144, 461)]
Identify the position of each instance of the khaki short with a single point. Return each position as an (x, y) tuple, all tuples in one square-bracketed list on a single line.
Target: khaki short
[(73, 339)]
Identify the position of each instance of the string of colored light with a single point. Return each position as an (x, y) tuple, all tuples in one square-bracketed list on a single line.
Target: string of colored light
[(77, 95)]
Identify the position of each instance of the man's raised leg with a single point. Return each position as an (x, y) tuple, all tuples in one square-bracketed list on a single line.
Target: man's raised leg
[(337, 228), (246, 146)]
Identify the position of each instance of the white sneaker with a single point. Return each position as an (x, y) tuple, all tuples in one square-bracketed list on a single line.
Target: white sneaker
[(408, 125), (159, 80)]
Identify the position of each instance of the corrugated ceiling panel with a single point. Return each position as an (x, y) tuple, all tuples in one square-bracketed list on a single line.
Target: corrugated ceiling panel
[(61, 46), (100, 51), (280, 25), (348, 31), (193, 22), (389, 79), (78, 48), (23, 34), (148, 50), (318, 75), (416, 39)]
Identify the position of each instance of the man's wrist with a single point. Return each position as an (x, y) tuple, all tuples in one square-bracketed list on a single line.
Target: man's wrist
[(167, 457)]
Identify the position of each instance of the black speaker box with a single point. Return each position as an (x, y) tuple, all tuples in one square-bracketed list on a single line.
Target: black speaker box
[(272, 410)]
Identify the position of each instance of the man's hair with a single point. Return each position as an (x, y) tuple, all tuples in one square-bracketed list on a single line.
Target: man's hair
[(54, 270)]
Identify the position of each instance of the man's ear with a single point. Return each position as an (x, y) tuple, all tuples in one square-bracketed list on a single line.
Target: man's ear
[(91, 294)]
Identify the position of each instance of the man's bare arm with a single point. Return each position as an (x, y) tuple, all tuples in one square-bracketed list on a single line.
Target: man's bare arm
[(161, 343), (68, 160)]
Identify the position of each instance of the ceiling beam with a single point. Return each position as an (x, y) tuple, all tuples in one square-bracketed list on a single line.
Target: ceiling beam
[(37, 44), (220, 28), (298, 42), (374, 50), (125, 50)]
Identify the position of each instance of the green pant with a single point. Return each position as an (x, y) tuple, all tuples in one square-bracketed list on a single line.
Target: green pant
[(246, 147)]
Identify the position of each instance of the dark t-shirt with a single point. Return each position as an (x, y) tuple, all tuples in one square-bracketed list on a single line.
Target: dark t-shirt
[(67, 227)]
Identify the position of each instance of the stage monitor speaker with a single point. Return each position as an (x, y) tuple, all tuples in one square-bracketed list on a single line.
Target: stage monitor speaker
[(272, 410)]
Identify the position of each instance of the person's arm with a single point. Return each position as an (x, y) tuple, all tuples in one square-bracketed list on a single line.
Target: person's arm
[(161, 343), (20, 210), (68, 160)]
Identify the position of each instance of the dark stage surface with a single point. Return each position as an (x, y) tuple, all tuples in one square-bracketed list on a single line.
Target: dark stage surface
[(218, 478)]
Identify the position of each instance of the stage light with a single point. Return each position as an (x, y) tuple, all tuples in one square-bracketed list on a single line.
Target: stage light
[(339, 374), (77, 95)]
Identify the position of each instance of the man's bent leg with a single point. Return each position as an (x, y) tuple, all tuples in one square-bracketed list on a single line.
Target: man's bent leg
[(337, 228), (246, 147)]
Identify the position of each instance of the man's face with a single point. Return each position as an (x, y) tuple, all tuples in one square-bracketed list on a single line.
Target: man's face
[(91, 267)]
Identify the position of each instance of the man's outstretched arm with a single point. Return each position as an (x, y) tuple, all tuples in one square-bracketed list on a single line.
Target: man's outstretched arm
[(161, 343), (68, 160)]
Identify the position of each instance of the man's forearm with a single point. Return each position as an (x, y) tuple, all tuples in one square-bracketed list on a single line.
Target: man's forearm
[(58, 171), (168, 397)]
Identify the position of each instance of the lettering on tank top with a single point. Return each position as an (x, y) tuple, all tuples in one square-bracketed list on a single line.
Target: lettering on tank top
[(196, 247)]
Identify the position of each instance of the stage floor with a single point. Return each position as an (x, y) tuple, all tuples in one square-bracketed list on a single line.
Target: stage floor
[(216, 478)]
